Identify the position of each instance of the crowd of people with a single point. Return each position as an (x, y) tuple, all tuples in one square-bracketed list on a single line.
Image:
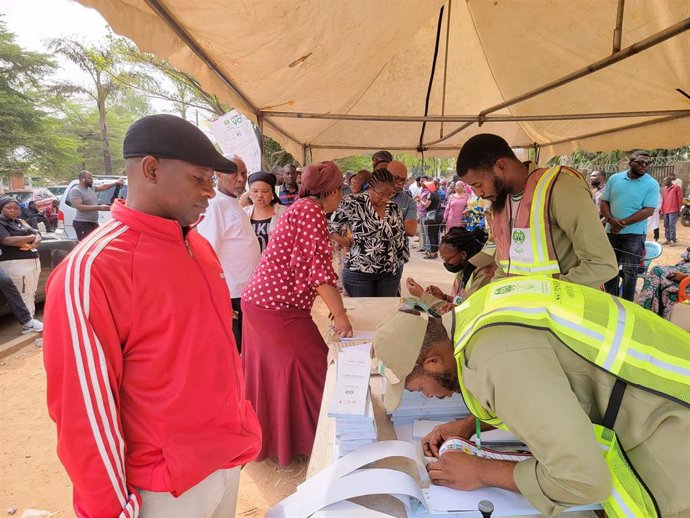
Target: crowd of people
[(155, 411)]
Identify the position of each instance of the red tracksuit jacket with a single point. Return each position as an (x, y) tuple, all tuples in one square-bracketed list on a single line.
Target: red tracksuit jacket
[(144, 380)]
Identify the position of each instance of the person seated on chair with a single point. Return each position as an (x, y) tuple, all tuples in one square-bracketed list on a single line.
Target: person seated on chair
[(464, 255), (660, 289), (33, 217)]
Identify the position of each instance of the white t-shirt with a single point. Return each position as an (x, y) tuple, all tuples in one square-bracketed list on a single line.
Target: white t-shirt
[(227, 227), (415, 189)]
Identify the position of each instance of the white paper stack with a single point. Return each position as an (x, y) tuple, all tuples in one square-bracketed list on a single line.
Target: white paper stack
[(354, 431), (415, 405), (351, 404)]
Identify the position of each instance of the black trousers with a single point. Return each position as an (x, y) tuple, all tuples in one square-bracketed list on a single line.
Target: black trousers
[(83, 228), (14, 299), (237, 322)]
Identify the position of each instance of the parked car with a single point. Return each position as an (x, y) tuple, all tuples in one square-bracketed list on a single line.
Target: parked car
[(57, 190), (42, 196), (106, 197), (52, 250)]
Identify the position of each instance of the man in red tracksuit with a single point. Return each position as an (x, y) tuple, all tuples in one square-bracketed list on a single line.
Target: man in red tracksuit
[(144, 378)]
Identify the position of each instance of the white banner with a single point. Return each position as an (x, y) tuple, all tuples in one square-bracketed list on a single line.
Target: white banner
[(235, 134)]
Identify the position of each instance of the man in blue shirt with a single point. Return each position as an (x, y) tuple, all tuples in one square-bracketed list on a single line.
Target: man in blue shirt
[(629, 199)]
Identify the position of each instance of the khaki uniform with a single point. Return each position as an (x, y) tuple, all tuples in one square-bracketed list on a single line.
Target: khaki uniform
[(584, 253), (548, 397)]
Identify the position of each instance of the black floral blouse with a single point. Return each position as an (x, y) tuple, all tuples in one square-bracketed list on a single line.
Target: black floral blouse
[(378, 245)]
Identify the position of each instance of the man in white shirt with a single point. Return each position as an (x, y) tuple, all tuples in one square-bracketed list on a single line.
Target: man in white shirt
[(227, 227)]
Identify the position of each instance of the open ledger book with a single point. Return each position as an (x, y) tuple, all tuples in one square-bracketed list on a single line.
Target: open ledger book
[(346, 478)]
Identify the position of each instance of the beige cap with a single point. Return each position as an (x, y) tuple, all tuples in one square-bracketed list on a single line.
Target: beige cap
[(397, 343)]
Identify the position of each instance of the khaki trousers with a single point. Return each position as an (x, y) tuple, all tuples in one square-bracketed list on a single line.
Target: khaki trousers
[(213, 497)]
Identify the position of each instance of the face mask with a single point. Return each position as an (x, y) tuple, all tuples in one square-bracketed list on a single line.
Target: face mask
[(453, 268)]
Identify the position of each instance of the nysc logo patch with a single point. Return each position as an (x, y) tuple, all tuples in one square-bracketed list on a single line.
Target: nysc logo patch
[(518, 236)]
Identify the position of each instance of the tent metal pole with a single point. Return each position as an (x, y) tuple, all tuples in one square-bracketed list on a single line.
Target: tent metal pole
[(158, 8), (260, 124), (445, 67), (448, 135), (472, 118), (618, 31), (635, 48), (614, 130), (399, 148)]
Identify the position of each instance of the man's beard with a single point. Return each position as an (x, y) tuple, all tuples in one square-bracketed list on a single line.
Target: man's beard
[(501, 195), (446, 380)]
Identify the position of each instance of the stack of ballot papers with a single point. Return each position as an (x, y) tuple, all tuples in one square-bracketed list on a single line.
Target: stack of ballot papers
[(351, 404), (414, 405)]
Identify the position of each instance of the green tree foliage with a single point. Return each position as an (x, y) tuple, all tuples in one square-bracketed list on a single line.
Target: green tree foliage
[(80, 124), (104, 65), (354, 163), (185, 93), (28, 135)]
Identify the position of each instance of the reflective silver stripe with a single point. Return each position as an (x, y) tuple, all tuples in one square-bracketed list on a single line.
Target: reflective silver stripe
[(618, 336), (659, 363), (621, 503), (514, 267), (540, 191), (536, 311)]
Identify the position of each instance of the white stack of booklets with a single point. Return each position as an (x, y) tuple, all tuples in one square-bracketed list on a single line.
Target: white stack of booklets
[(415, 405), (351, 405)]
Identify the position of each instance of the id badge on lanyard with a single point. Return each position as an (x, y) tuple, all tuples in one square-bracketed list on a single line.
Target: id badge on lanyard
[(521, 245)]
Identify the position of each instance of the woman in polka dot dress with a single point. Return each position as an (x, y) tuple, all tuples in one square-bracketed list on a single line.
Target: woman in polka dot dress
[(283, 353)]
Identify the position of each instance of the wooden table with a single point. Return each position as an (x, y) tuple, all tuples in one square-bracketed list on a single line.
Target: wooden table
[(366, 314)]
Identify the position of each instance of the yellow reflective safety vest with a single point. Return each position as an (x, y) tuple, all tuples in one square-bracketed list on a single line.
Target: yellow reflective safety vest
[(630, 342), (524, 244)]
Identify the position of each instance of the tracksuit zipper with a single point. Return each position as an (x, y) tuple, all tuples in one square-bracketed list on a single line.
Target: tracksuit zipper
[(213, 302)]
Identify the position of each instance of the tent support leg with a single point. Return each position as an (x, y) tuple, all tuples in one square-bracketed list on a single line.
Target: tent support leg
[(260, 124), (618, 31)]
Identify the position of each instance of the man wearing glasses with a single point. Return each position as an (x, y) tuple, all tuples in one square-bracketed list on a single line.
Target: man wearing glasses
[(629, 198), (404, 201)]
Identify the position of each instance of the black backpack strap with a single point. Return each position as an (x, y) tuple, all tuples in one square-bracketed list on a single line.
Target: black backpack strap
[(614, 404)]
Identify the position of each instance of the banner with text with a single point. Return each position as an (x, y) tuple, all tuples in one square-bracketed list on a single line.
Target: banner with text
[(235, 134)]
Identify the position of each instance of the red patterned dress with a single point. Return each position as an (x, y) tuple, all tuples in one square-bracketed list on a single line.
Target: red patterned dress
[(283, 353)]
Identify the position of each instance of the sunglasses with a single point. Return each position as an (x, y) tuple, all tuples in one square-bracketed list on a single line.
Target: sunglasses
[(643, 163)]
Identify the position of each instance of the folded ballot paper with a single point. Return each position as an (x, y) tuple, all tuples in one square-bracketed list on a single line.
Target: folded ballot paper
[(351, 404)]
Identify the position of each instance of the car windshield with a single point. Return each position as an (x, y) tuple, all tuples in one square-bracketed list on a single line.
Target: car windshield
[(105, 197), (20, 196)]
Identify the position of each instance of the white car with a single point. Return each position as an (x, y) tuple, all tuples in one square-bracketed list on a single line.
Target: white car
[(67, 212)]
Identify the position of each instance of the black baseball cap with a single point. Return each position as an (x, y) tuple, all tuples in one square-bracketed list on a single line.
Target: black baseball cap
[(168, 136)]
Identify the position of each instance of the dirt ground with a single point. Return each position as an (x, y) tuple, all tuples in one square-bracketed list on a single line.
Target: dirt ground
[(31, 475)]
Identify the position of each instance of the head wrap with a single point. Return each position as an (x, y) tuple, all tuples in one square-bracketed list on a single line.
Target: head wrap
[(261, 176), (320, 178), (5, 200), (269, 178)]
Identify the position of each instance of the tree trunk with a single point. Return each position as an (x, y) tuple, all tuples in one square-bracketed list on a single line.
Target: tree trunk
[(107, 162)]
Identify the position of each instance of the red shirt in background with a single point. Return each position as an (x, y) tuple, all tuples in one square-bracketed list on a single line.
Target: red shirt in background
[(671, 199)]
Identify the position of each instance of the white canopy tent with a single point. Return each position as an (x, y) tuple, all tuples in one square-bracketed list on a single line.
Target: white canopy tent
[(331, 78)]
